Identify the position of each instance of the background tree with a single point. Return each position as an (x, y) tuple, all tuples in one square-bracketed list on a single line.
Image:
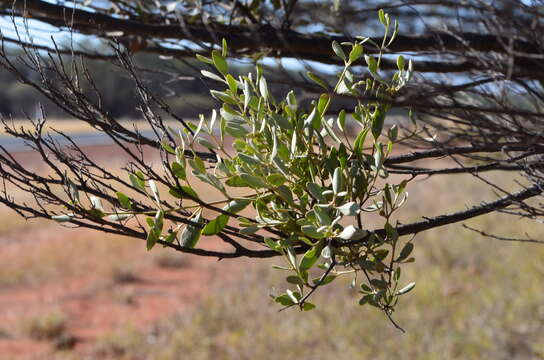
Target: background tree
[(476, 98)]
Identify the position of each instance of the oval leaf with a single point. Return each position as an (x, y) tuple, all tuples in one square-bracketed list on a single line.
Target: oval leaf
[(191, 234), (216, 225)]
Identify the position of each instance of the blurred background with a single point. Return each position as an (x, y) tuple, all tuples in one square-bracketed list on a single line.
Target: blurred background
[(68, 293), (71, 293)]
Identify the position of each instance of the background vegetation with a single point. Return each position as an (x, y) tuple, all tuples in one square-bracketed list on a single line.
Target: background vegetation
[(475, 298)]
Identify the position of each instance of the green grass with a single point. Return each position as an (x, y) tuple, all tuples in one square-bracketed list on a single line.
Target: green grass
[(475, 298)]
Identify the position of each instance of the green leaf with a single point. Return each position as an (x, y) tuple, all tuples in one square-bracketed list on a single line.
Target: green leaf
[(220, 62), (191, 234), (372, 64), (224, 48), (137, 182), (365, 299), (318, 80), (151, 239), (284, 300), (249, 230), (276, 179), (337, 180), (407, 288), (378, 157), (316, 191), (154, 191), (212, 180), (311, 231), (292, 255), (322, 103), (378, 119), (166, 146), (211, 76), (233, 85), (295, 296), (158, 221), (62, 218), (327, 125), (171, 236), (349, 209), (309, 258), (224, 97), (405, 252), (313, 120), (355, 53), (96, 203), (285, 193), (124, 200), (250, 160), (359, 143), (281, 121), (381, 16), (326, 252), (236, 181), (263, 88), (73, 191), (96, 213), (327, 280), (204, 59), (197, 164), (206, 144), (337, 48), (216, 225), (395, 33), (236, 131), (308, 306), (322, 215), (341, 121), (235, 206), (273, 245), (119, 217), (379, 283), (392, 234), (400, 62), (183, 190), (350, 232), (247, 94), (393, 132), (253, 181), (294, 280)]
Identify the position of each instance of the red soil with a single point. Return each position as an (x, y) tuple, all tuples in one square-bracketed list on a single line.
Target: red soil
[(94, 304)]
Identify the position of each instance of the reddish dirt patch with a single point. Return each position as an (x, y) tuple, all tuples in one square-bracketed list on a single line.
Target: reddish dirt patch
[(95, 304)]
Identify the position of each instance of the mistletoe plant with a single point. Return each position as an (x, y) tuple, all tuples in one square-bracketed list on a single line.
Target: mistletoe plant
[(308, 184)]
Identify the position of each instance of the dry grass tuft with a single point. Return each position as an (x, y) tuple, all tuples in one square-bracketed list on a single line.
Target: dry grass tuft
[(49, 326), (475, 298)]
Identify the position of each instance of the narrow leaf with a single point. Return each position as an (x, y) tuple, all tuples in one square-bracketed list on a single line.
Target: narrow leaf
[(337, 48), (407, 288), (350, 232)]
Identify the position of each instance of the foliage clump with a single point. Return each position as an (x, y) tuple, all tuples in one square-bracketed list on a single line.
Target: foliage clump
[(308, 182)]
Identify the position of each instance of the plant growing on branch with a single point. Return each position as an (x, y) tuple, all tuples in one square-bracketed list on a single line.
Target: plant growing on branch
[(308, 183)]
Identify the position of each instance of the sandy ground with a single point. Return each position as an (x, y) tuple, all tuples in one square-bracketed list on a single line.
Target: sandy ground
[(93, 302), (95, 305)]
